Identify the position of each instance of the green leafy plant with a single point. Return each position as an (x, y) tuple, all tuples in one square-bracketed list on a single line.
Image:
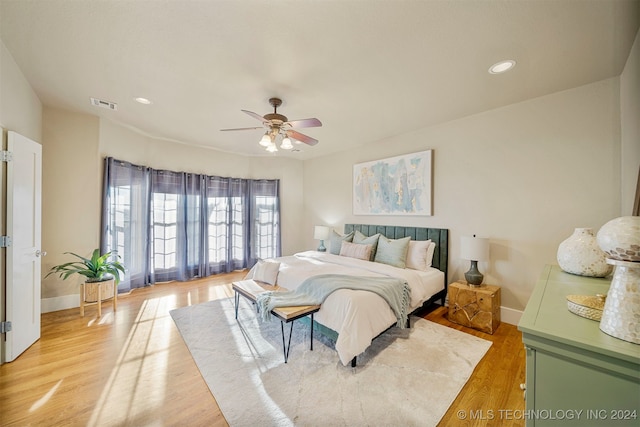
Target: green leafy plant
[(95, 269)]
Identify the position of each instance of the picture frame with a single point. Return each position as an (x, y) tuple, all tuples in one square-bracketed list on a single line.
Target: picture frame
[(400, 185)]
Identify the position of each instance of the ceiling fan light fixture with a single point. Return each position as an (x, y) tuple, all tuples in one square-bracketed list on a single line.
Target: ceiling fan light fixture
[(286, 143), (266, 141), (272, 148)]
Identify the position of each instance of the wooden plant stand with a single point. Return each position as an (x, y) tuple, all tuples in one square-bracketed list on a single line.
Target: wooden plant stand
[(92, 293)]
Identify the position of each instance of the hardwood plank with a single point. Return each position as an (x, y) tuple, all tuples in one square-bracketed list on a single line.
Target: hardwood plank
[(133, 368)]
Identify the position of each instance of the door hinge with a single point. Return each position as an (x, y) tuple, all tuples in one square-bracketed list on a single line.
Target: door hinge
[(6, 156), (5, 241), (5, 327)]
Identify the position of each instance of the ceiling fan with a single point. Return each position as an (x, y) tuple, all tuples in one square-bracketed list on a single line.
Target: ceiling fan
[(277, 124)]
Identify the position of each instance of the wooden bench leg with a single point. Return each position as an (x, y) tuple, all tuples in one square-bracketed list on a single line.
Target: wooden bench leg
[(99, 299), (82, 299)]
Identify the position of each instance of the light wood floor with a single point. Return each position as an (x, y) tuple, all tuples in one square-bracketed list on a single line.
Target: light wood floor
[(132, 368)]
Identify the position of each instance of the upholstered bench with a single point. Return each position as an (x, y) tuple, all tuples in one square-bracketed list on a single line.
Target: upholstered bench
[(250, 289)]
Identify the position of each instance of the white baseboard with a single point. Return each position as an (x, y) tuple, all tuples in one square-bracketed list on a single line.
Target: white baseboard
[(509, 315), (59, 303)]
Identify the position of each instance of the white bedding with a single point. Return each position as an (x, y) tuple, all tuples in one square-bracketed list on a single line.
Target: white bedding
[(357, 316)]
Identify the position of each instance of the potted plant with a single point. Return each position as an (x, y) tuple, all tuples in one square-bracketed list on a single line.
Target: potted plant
[(97, 269)]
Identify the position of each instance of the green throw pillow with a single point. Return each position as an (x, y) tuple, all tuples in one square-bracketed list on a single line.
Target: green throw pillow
[(393, 252), (336, 241)]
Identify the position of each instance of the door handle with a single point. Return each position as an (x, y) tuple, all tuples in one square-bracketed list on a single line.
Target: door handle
[(41, 253)]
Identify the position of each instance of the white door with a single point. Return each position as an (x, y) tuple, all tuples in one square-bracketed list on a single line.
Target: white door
[(24, 191)]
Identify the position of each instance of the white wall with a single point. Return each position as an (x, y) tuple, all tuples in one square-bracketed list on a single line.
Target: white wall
[(630, 120), (524, 175)]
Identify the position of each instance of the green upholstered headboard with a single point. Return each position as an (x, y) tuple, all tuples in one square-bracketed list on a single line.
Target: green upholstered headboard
[(440, 236)]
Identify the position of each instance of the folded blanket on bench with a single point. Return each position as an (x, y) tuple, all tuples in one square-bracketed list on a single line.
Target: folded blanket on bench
[(314, 290)]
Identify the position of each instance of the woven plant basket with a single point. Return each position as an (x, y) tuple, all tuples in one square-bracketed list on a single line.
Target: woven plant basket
[(586, 306), (91, 290)]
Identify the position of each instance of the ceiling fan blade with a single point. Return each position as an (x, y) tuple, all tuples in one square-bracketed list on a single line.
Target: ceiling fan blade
[(301, 137), (224, 130), (255, 115), (305, 123)]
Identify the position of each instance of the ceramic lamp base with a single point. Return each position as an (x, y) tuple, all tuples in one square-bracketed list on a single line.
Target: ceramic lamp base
[(621, 314), (473, 276)]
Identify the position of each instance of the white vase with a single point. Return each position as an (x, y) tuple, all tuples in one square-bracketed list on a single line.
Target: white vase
[(581, 255)]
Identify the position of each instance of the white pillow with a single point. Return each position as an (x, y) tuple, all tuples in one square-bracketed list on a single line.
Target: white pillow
[(356, 250), (418, 257), (266, 271), (430, 251)]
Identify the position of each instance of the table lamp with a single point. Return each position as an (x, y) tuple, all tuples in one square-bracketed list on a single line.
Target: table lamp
[(474, 249), (321, 233)]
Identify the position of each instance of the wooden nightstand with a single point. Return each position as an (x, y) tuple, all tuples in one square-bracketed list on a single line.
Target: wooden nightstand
[(477, 307)]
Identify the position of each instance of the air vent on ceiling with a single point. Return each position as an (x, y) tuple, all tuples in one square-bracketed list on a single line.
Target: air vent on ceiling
[(104, 104)]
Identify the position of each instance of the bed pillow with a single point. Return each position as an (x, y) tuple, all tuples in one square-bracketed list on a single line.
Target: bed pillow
[(392, 252), (361, 239), (417, 255), (336, 241), (356, 250), (430, 252), (266, 271)]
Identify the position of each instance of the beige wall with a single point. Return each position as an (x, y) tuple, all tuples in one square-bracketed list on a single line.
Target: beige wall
[(71, 185), (630, 120), (20, 108), (524, 175)]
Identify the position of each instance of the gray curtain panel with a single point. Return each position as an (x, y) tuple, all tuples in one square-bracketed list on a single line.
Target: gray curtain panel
[(168, 225)]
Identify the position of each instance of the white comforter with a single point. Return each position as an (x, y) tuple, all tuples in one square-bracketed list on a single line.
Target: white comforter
[(357, 316)]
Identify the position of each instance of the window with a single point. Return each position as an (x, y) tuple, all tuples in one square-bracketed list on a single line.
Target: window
[(169, 225)]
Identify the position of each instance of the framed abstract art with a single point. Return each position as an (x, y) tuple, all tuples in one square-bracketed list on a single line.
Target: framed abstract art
[(398, 185)]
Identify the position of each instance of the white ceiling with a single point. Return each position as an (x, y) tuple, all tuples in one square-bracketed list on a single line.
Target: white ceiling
[(367, 69)]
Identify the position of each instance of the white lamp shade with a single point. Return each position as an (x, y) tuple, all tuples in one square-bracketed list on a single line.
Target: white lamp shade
[(321, 232), (265, 141), (286, 143), (474, 248)]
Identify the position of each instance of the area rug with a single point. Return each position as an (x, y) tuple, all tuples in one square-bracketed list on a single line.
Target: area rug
[(408, 377)]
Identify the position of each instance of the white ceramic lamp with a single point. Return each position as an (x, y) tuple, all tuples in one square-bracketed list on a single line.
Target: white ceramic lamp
[(321, 233), (474, 249), (620, 240)]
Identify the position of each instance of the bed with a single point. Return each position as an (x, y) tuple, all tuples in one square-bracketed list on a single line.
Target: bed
[(353, 318)]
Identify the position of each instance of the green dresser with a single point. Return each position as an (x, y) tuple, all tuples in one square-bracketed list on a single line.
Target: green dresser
[(576, 374)]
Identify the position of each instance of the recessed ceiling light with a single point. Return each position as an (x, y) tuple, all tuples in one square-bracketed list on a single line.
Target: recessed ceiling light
[(502, 66), (144, 101)]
